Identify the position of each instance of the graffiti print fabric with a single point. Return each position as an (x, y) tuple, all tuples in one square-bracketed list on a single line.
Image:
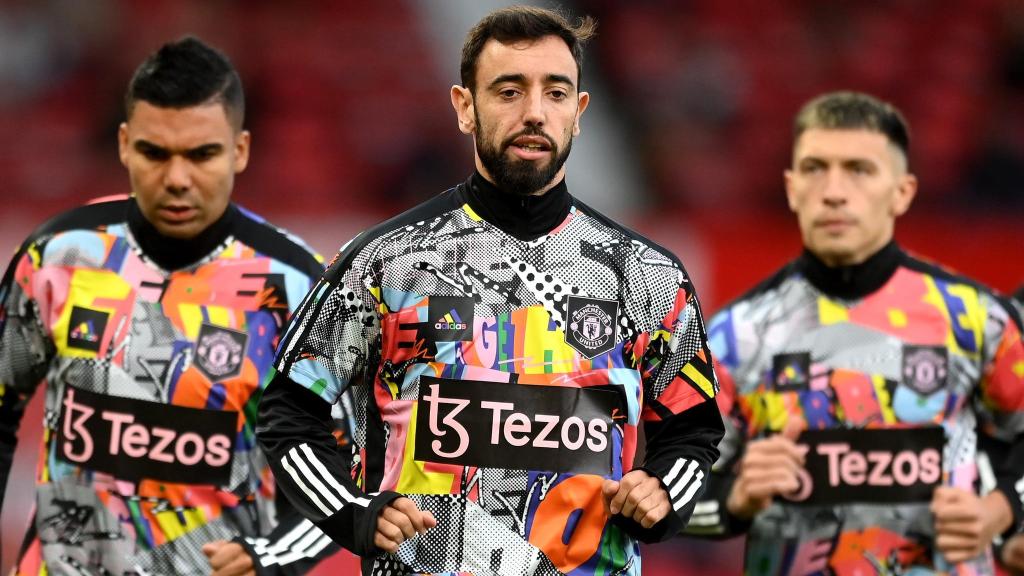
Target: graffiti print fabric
[(152, 378), (576, 335)]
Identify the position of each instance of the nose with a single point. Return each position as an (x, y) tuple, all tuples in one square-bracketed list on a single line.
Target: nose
[(835, 188), (178, 175), (533, 115)]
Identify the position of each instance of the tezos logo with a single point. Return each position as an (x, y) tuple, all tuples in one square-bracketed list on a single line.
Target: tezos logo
[(133, 439), (592, 325), (514, 426), (860, 465)]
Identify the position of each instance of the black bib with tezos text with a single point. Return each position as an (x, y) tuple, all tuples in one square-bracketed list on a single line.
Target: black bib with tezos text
[(870, 465), (135, 439), (516, 426)]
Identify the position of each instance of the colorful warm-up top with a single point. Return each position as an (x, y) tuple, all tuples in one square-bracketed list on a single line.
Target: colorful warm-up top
[(153, 352), (901, 376), (503, 351)]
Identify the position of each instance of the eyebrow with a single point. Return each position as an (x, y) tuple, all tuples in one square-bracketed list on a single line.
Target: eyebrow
[(521, 79), (145, 145)]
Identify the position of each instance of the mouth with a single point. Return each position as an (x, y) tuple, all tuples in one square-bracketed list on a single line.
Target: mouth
[(834, 225), (531, 147), (176, 213)]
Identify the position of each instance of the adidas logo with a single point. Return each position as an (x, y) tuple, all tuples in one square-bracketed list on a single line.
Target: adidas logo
[(450, 321), (85, 331)]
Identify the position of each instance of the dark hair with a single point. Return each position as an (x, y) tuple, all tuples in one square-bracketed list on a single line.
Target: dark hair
[(852, 110), (524, 23), (187, 73)]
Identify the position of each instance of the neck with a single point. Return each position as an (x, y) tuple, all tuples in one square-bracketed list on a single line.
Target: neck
[(524, 217), (853, 281), (176, 253)]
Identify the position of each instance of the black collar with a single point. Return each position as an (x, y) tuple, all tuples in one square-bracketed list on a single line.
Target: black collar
[(851, 282), (175, 253), (524, 217)]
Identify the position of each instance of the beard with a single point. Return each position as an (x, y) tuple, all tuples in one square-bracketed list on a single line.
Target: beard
[(515, 176)]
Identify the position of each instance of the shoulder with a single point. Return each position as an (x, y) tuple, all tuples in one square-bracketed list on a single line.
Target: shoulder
[(92, 216), (760, 295), (946, 277), (277, 243), (396, 229), (617, 231)]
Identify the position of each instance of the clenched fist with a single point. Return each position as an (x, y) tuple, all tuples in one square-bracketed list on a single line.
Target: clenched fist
[(399, 521), (639, 496)]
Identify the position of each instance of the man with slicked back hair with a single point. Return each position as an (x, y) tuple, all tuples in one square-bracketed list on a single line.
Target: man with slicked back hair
[(864, 388)]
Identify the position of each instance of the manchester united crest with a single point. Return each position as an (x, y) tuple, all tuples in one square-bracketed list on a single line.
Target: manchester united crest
[(592, 325), (219, 352), (925, 368)]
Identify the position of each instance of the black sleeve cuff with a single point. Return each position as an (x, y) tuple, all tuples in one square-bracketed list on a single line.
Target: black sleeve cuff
[(668, 527), (354, 526)]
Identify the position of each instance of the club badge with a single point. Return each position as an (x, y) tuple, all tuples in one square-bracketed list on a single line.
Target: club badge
[(925, 368), (220, 351), (592, 325)]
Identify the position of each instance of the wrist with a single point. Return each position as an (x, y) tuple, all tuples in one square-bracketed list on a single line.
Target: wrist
[(736, 507), (998, 514)]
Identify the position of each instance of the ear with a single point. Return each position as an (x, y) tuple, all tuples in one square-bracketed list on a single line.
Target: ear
[(242, 141), (462, 101), (787, 178), (583, 102), (122, 143), (906, 189)]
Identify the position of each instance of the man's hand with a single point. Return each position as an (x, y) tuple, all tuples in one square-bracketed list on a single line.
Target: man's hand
[(228, 559), (399, 521), (639, 496), (769, 467), (965, 523), (1013, 554)]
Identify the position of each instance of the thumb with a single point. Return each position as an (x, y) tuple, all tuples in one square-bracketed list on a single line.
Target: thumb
[(428, 519), (210, 548), (609, 488), (793, 428)]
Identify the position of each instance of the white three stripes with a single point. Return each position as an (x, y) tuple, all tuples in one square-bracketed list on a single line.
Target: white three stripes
[(303, 541), (689, 481), (313, 484)]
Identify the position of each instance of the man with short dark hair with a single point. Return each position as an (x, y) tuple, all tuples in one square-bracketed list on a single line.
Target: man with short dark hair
[(504, 341), (860, 382), (153, 321)]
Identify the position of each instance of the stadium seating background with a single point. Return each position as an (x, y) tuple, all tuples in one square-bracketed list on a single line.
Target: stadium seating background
[(348, 104)]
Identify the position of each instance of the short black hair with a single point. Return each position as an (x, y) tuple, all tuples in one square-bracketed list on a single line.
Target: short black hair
[(186, 73), (853, 110), (524, 23)]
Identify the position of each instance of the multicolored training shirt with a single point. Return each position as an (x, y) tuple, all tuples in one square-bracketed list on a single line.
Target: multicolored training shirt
[(503, 351), (897, 372), (152, 381)]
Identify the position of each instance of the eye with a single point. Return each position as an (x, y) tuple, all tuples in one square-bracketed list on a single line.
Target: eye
[(508, 93), (861, 169), (811, 168), (558, 94), (203, 153), (153, 153)]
